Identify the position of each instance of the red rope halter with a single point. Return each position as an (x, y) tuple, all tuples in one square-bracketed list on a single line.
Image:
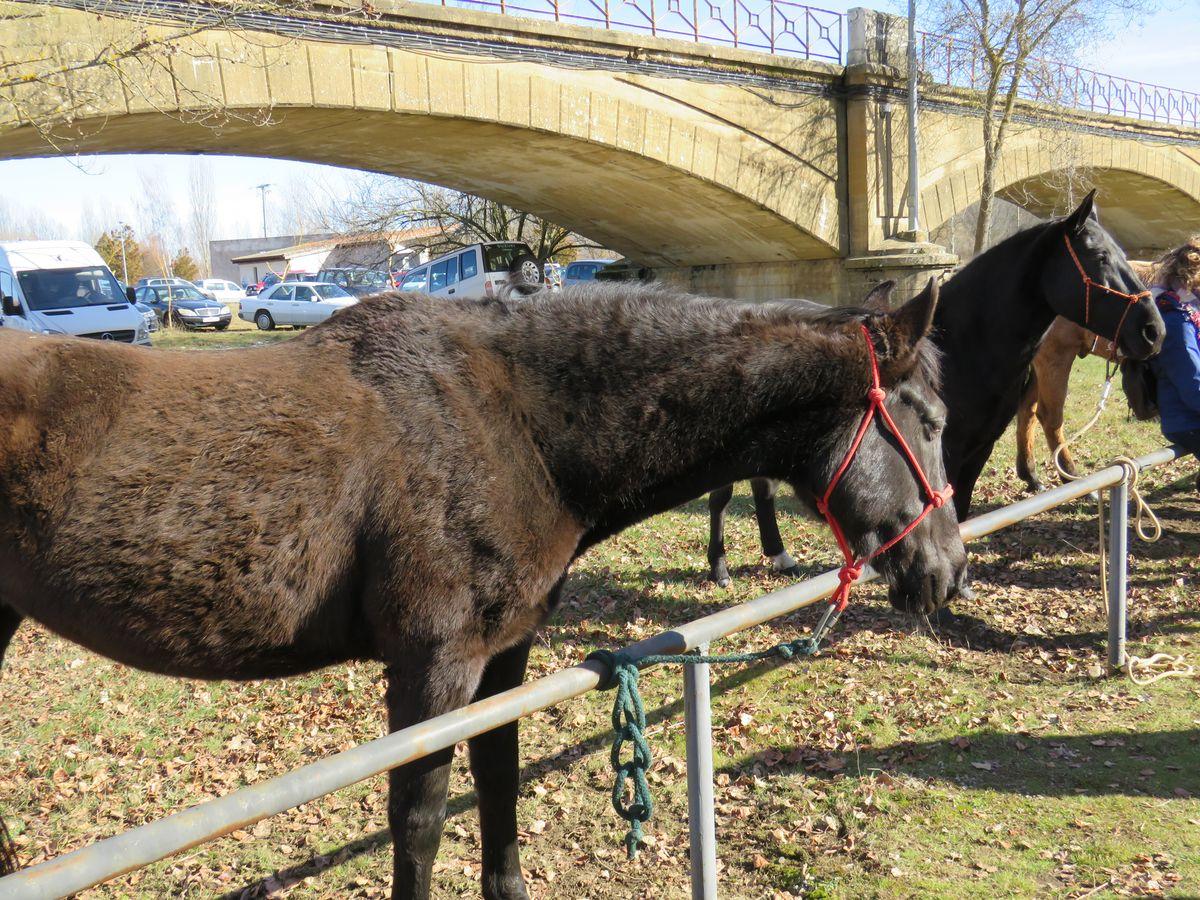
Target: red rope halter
[(1088, 284), (851, 571)]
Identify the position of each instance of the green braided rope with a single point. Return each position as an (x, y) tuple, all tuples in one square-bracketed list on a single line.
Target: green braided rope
[(629, 722)]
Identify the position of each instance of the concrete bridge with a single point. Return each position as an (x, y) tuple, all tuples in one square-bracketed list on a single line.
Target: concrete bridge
[(733, 171)]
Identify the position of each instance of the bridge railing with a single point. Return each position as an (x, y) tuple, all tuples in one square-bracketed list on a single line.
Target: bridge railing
[(771, 26), (953, 60)]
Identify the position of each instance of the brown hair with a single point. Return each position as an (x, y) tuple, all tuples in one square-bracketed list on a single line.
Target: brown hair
[(1180, 267)]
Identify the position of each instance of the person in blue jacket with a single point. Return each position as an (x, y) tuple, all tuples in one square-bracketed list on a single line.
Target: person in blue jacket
[(1177, 367)]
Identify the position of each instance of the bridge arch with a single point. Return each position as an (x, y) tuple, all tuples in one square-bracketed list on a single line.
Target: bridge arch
[(618, 157), (1148, 194)]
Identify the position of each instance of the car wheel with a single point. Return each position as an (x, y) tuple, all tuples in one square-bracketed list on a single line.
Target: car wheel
[(525, 270), (264, 321), (222, 326)]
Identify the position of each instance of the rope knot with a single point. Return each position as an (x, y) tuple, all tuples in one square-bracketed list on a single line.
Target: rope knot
[(938, 500), (876, 395), (822, 508), (849, 574)]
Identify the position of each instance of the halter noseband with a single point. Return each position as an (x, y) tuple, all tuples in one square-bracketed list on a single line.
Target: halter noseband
[(1088, 284), (851, 571)]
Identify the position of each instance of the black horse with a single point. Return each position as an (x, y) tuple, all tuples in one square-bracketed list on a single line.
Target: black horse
[(421, 502), (990, 321)]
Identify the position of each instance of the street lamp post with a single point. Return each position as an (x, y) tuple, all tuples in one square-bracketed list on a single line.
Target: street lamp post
[(124, 264), (914, 173), (262, 190)]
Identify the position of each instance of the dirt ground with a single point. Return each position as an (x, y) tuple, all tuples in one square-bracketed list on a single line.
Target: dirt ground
[(987, 759)]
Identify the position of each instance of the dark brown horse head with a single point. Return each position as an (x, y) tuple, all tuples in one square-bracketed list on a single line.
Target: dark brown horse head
[(1087, 279), (881, 493)]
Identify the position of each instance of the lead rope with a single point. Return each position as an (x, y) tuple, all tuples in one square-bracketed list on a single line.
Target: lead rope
[(629, 713)]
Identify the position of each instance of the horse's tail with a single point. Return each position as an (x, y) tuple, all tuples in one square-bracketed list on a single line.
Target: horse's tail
[(8, 851)]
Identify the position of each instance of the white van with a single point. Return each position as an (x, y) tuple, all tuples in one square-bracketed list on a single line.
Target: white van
[(478, 271), (64, 287)]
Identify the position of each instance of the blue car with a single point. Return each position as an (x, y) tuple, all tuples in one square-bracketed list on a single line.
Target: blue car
[(583, 270)]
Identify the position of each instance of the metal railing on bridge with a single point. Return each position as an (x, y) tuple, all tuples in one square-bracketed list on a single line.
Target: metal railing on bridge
[(770, 26), (786, 28), (953, 60)]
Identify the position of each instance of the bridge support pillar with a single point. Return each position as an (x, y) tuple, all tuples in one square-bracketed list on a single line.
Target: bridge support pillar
[(837, 282)]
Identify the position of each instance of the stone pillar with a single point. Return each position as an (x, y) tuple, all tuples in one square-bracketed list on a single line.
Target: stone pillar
[(877, 157)]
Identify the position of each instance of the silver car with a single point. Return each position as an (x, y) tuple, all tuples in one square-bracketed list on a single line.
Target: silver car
[(295, 303)]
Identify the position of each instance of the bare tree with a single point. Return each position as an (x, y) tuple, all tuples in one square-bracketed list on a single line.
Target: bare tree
[(19, 223), (380, 204), (159, 223), (1008, 40), (202, 211)]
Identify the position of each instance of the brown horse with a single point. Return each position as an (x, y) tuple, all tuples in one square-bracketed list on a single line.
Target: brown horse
[(409, 482), (1045, 395)]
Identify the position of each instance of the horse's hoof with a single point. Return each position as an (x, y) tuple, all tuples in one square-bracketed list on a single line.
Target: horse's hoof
[(510, 888), (790, 571), (944, 618), (719, 575)]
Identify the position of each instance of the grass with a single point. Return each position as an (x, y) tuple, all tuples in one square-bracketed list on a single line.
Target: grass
[(980, 762), (238, 334)]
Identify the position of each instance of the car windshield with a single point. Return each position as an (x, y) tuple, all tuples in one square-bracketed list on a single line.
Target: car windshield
[(500, 257), (63, 288), (180, 292), (330, 291)]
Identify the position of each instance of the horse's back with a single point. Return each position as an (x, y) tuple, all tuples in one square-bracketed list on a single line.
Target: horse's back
[(207, 501)]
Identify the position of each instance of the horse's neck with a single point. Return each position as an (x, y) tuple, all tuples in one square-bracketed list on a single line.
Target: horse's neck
[(989, 325), (652, 419)]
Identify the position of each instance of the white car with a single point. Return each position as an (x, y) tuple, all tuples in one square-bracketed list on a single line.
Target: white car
[(295, 303), (475, 272), (222, 290)]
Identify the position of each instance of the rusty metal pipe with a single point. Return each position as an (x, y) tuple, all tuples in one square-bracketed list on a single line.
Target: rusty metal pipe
[(141, 846)]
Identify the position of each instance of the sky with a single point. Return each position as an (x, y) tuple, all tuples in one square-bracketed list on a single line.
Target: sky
[(1162, 48)]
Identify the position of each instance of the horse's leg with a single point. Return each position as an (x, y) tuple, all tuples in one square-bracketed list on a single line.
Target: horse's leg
[(420, 686), (9, 620), (718, 502), (1026, 463), (764, 490), (1051, 402), (968, 474), (496, 766)]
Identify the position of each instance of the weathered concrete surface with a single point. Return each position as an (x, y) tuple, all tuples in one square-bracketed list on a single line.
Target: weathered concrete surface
[(734, 172)]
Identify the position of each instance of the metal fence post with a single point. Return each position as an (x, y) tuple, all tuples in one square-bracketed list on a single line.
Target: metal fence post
[(701, 815), (1118, 564)]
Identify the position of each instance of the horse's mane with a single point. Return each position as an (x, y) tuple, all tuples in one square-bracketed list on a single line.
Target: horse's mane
[(591, 308)]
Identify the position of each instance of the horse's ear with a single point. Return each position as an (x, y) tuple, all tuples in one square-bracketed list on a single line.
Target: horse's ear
[(880, 298), (914, 319), (1075, 222)]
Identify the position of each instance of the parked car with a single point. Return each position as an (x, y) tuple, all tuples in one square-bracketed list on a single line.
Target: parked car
[(298, 304), (220, 289), (300, 276), (148, 315), (477, 271), (359, 282), (582, 270), (184, 305), (159, 281), (64, 287), (625, 270)]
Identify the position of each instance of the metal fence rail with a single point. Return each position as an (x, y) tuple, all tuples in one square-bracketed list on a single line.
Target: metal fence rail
[(950, 59), (772, 26), (146, 844)]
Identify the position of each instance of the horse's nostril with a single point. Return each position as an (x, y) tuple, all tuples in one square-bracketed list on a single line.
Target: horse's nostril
[(1152, 333)]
